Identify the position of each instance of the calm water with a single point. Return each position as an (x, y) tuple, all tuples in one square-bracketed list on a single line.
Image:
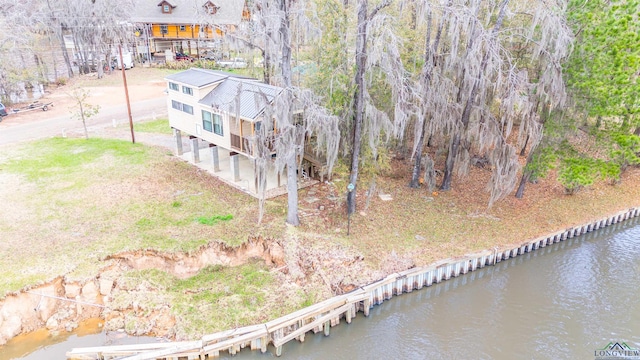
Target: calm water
[(559, 302), (42, 345)]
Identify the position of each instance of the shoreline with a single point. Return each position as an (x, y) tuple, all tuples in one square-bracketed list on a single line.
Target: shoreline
[(321, 316), (344, 306)]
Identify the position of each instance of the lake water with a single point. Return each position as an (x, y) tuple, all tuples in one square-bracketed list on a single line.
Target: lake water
[(564, 301)]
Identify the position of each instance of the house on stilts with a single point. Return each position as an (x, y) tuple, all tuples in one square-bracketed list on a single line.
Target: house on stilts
[(220, 113)]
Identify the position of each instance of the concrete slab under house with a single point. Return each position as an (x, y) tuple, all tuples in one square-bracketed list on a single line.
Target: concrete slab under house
[(220, 114)]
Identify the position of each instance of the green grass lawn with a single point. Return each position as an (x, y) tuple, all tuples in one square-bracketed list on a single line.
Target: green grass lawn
[(159, 126), (98, 197)]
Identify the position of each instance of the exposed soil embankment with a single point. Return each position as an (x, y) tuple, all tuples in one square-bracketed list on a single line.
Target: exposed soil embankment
[(57, 305), (61, 304), (186, 265)]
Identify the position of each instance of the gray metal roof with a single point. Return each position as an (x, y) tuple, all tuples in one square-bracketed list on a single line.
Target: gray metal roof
[(252, 97), (198, 78), (188, 12)]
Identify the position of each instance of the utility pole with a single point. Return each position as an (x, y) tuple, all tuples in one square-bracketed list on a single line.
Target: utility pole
[(126, 93)]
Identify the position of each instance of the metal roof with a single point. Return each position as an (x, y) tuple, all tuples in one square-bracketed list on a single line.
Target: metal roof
[(195, 77), (188, 12), (202, 77), (251, 96)]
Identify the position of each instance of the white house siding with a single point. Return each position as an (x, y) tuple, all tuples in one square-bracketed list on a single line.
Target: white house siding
[(217, 92)]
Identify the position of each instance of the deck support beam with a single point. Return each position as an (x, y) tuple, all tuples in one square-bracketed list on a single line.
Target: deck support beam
[(177, 136), (195, 149), (234, 158), (215, 158)]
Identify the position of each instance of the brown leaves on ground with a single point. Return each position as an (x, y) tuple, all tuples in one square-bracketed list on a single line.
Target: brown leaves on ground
[(427, 226)]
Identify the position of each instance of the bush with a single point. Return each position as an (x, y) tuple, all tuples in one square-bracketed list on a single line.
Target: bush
[(61, 81), (543, 159), (626, 149), (184, 65), (577, 173)]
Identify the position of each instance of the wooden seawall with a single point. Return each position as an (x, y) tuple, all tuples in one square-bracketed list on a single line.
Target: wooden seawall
[(322, 316)]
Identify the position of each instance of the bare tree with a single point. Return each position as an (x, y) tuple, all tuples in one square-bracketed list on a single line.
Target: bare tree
[(83, 110), (53, 22), (288, 133), (19, 61), (362, 104), (428, 100), (479, 83), (96, 26)]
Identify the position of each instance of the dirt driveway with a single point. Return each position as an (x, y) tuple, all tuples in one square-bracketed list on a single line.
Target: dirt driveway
[(146, 95)]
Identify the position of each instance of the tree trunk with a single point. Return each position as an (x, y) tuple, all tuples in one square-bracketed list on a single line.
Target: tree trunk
[(266, 67), (65, 54), (84, 121), (466, 113), (53, 57), (292, 191), (526, 174), (285, 33), (523, 181), (58, 29), (292, 157), (429, 57), (361, 61), (417, 164), (524, 148), (450, 162), (100, 67)]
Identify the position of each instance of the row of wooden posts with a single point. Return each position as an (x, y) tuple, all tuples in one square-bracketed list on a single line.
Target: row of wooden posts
[(322, 316)]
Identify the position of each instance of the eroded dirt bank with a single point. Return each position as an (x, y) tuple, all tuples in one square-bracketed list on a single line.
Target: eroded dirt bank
[(61, 304)]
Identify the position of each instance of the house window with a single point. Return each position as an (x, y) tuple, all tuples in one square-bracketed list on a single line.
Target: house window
[(217, 124), (187, 108), (211, 8), (187, 90), (176, 105), (164, 29), (174, 86), (166, 9), (207, 121), (212, 122), (183, 28)]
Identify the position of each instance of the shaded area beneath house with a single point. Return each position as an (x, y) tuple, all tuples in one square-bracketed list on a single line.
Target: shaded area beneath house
[(246, 173)]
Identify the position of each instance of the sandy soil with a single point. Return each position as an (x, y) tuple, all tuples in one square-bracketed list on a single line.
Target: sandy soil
[(99, 94)]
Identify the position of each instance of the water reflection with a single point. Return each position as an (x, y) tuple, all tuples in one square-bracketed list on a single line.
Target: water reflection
[(42, 344)]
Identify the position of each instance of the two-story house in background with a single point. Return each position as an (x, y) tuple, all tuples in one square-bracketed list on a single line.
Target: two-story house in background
[(184, 26)]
